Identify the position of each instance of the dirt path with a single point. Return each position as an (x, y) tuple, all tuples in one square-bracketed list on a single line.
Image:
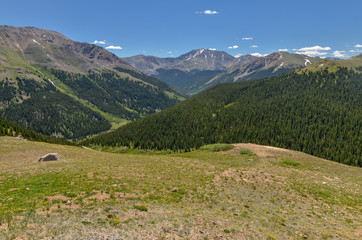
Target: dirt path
[(262, 151)]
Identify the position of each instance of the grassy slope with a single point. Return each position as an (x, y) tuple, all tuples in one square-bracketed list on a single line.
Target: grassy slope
[(196, 195)]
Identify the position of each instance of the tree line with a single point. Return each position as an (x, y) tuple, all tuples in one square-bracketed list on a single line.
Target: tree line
[(319, 113)]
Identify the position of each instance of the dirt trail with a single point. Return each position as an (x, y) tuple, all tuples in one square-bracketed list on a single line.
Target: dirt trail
[(261, 150)]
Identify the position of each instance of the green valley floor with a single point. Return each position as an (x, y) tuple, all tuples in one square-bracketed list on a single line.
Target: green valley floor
[(249, 192)]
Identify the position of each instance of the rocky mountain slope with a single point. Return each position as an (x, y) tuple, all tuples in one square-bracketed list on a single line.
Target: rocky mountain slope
[(271, 65), (200, 69), (57, 86), (189, 71)]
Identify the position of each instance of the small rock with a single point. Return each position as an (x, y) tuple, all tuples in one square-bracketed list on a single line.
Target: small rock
[(27, 189), (250, 159), (175, 190), (50, 157), (324, 183), (69, 203)]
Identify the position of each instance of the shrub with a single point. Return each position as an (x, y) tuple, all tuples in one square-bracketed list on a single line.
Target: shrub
[(290, 162), (141, 208), (217, 147), (244, 151)]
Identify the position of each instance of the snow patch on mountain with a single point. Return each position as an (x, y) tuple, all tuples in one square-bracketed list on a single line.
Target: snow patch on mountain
[(307, 61), (38, 43)]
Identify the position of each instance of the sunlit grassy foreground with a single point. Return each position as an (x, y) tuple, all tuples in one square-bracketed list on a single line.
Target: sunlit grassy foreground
[(249, 192)]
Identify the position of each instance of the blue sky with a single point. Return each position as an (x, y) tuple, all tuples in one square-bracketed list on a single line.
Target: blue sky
[(324, 28)]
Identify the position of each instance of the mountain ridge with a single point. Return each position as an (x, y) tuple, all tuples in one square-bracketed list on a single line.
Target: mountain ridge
[(190, 77), (189, 71), (86, 80)]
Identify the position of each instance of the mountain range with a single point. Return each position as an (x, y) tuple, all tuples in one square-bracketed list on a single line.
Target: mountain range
[(200, 69), (57, 86)]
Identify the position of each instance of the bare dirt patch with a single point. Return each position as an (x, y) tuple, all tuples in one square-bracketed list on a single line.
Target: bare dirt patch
[(261, 150)]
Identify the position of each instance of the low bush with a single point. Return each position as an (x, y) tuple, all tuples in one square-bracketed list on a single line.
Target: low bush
[(217, 147)]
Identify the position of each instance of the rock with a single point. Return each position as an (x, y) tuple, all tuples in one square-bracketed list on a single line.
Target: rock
[(175, 189), (49, 157)]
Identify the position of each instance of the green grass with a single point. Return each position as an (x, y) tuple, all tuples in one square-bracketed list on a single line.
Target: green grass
[(247, 152), (141, 208), (195, 195), (290, 162), (217, 147)]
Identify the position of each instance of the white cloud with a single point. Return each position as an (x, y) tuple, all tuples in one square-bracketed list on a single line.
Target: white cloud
[(207, 12), (257, 55), (314, 48), (99, 42), (312, 53), (355, 51), (283, 50), (114, 47), (238, 55), (212, 49), (233, 47), (358, 45), (247, 38), (169, 52), (339, 54), (210, 12), (254, 46)]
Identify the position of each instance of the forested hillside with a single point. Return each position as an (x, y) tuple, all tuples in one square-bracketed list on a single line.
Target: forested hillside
[(315, 112), (8, 128), (42, 108)]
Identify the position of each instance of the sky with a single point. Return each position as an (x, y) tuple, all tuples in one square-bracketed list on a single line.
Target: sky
[(169, 28)]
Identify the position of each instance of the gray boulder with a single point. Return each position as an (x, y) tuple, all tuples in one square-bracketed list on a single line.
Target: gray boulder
[(50, 157)]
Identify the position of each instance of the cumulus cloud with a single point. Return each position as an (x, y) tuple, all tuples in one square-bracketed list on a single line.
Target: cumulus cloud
[(283, 50), (257, 55), (313, 51), (238, 55), (99, 42), (114, 47), (169, 52), (315, 48), (247, 38), (358, 45), (339, 54), (212, 49), (254, 46), (207, 12), (233, 47)]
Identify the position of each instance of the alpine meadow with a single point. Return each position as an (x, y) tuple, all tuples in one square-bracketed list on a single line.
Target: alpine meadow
[(128, 120)]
